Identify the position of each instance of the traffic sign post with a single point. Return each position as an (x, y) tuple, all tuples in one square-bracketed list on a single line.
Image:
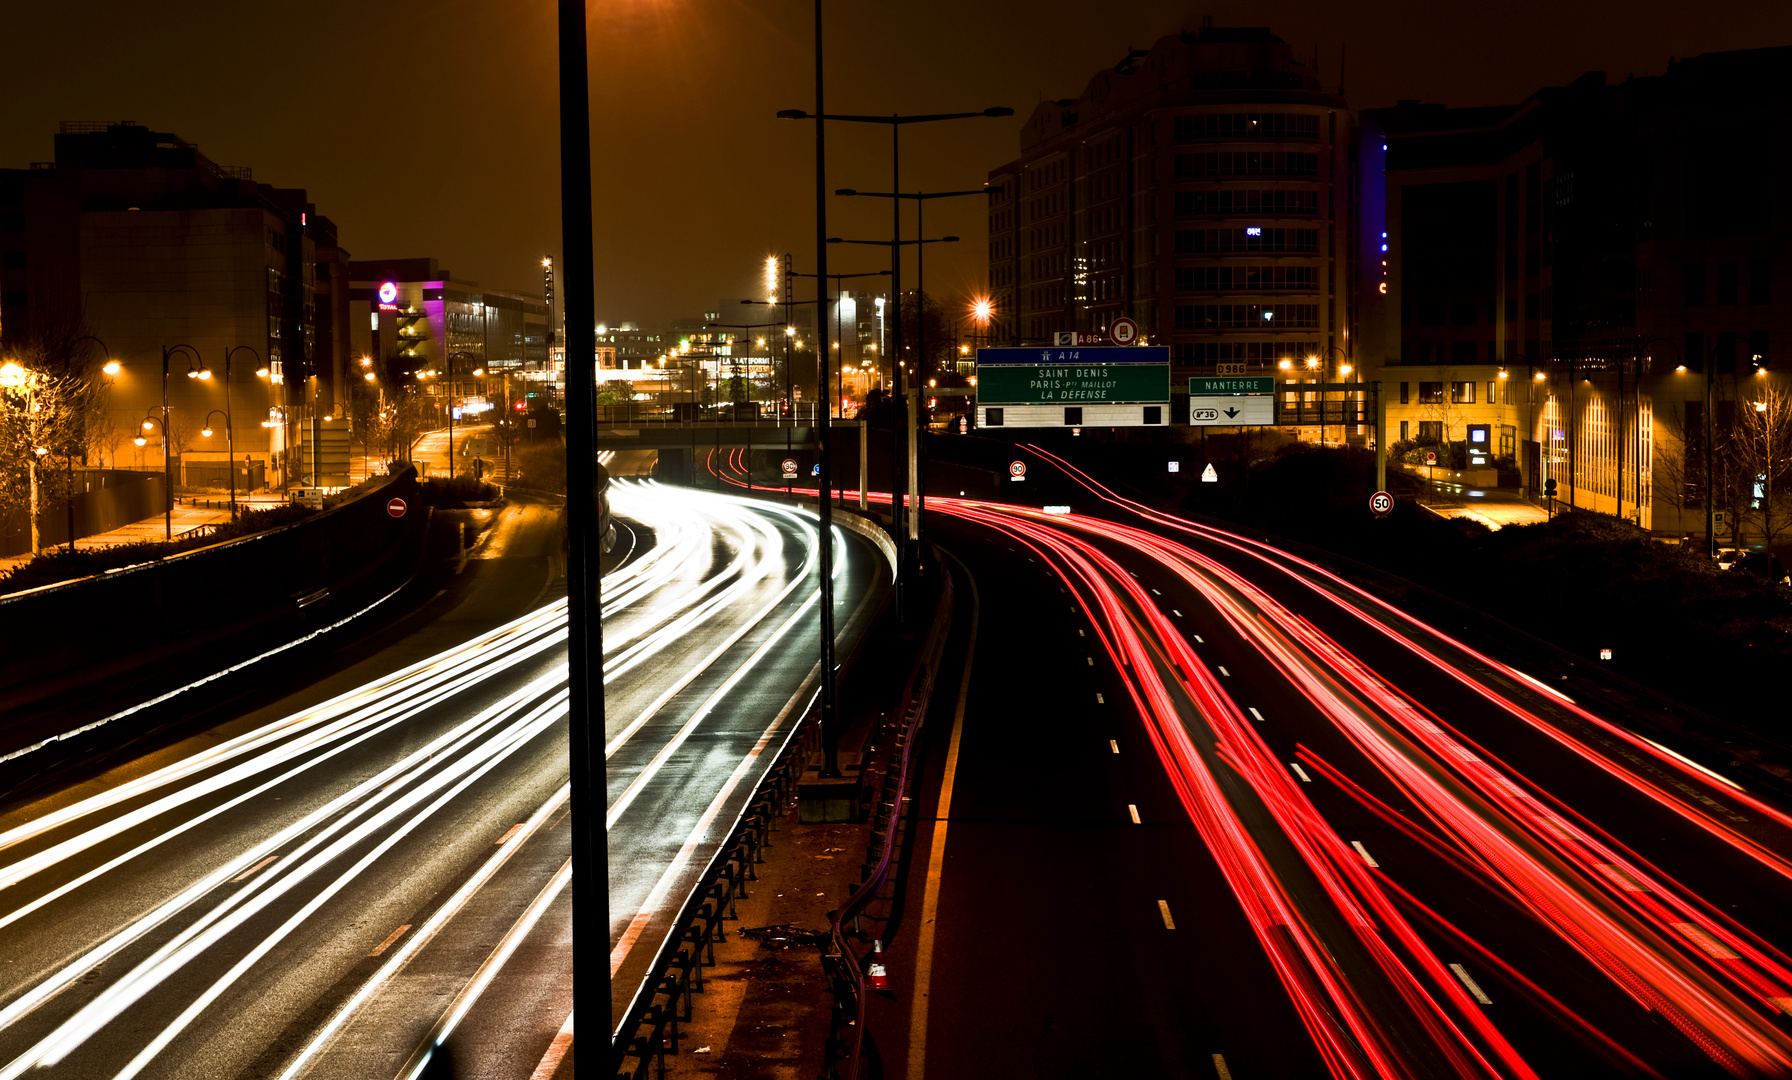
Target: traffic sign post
[(789, 468), (1017, 470), (1381, 503)]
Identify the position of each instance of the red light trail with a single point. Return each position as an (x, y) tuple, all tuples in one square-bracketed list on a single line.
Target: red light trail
[(1373, 995)]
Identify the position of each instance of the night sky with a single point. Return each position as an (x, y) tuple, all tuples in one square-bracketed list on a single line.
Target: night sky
[(431, 128)]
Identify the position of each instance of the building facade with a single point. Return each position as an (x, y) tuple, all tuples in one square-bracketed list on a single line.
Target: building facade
[(1585, 262), (135, 238), (453, 341), (1204, 188)]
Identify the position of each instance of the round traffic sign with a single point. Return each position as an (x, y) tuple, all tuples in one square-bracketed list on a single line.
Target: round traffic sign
[(1382, 503), (1017, 468), (395, 507), (1123, 331), (790, 466)]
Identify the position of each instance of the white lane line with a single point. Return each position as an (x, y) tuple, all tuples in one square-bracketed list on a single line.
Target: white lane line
[(1114, 745), (1300, 772), (1256, 715), (1154, 592), (249, 872), (1199, 640), (1099, 700), (1224, 672), (1132, 808), (1473, 986), (1163, 908), (1219, 1066), (936, 857), (1364, 852), (1091, 660), (482, 979), (421, 938), (550, 1061), (657, 899), (390, 938), (1176, 613), (652, 768), (510, 832), (1079, 632)]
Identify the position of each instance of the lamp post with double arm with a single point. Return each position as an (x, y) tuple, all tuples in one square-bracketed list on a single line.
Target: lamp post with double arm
[(196, 369)]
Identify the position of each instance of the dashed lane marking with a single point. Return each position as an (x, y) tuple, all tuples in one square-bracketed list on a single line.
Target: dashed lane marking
[(1300, 772), (1255, 715), (387, 944), (1473, 986), (1364, 852), (1134, 811), (249, 872), (1163, 908), (1114, 745)]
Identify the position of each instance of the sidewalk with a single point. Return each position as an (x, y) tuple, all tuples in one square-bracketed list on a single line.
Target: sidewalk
[(1492, 507), (150, 528)]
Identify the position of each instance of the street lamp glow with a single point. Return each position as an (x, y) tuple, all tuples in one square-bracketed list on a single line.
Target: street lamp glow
[(1541, 376), (149, 425), (1344, 369), (369, 376), (112, 367), (11, 374), (1285, 364), (982, 309), (205, 432), (141, 441), (1312, 361)]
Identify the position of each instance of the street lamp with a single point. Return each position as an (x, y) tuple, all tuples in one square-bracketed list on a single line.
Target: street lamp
[(912, 489), (196, 369), (229, 426), (1342, 369), (837, 279), (896, 122)]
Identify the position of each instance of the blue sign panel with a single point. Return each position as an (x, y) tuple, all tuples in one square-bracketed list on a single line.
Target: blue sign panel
[(1085, 354)]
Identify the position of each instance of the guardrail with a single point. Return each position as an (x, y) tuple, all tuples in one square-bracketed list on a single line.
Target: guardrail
[(846, 977), (649, 1028)]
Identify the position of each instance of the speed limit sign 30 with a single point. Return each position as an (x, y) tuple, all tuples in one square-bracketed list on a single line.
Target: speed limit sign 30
[(1382, 503)]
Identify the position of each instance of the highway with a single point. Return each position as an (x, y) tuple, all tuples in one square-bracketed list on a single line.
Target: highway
[(371, 870), (1219, 811)]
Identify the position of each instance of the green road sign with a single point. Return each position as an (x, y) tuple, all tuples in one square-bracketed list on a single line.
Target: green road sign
[(1249, 384), (1072, 384)]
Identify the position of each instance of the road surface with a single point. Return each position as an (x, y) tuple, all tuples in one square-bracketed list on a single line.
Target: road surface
[(333, 883)]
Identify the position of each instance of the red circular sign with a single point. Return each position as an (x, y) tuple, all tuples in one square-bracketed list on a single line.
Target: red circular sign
[(1381, 503), (1017, 468), (395, 507), (790, 465), (1123, 331)]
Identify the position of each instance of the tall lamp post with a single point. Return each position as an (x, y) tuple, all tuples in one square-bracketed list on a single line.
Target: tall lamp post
[(584, 638), (896, 123), (901, 494), (196, 369), (1342, 369), (1709, 362), (229, 426), (452, 357), (837, 279)]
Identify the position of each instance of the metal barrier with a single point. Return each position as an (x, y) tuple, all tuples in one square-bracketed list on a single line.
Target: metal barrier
[(846, 978), (650, 1026)]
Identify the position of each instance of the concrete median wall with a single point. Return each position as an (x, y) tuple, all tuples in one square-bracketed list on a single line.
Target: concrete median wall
[(223, 604)]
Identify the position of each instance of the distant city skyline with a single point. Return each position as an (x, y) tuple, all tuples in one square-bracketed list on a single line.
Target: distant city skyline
[(436, 136)]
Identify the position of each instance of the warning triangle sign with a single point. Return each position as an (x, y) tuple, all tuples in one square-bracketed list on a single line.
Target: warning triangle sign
[(1208, 476)]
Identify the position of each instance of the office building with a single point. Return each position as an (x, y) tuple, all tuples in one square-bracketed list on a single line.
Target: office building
[(138, 239), (1203, 188), (1565, 270)]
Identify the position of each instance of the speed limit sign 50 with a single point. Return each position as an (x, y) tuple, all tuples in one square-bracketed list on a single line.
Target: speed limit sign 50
[(1382, 503)]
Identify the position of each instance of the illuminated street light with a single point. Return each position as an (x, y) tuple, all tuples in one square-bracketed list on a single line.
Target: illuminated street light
[(112, 367)]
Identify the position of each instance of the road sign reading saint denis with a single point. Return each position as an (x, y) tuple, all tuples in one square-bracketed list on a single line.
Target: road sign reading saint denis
[(1085, 375)]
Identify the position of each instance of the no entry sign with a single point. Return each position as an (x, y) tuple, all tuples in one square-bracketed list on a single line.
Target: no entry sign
[(395, 507)]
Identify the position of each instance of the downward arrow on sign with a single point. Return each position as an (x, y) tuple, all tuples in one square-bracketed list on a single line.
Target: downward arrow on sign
[(1231, 412)]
